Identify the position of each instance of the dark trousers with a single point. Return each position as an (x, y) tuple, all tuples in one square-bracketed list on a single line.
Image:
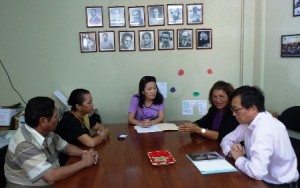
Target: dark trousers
[(285, 185)]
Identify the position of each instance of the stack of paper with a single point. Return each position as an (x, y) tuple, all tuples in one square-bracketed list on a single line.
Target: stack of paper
[(210, 163), (157, 128)]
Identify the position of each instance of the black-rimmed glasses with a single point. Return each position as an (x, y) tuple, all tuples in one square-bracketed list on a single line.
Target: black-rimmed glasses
[(236, 110)]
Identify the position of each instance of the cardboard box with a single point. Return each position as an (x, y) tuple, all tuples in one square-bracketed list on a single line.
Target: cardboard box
[(19, 120), (8, 112)]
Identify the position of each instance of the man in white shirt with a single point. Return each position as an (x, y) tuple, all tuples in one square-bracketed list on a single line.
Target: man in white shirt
[(268, 154)]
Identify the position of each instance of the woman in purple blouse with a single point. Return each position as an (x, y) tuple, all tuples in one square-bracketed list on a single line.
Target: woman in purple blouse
[(146, 108)]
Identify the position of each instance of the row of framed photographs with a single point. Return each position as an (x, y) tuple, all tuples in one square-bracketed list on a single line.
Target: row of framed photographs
[(137, 14), (105, 40)]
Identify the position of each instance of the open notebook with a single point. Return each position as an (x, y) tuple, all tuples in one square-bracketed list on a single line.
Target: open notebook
[(157, 128)]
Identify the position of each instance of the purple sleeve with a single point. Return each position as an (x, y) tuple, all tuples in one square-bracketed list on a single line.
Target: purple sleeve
[(161, 107), (133, 104)]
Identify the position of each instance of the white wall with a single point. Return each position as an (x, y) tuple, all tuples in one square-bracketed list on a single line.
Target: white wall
[(281, 75), (40, 50)]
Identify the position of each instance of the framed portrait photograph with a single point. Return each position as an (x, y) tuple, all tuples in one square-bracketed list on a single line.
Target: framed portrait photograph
[(175, 14), (94, 16), (116, 16), (290, 45), (204, 38), (136, 16), (146, 40), (166, 39), (126, 41), (194, 13), (88, 42), (106, 41), (156, 15), (296, 7), (185, 39)]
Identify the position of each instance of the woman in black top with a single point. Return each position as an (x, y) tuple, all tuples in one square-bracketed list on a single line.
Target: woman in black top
[(219, 120), (76, 127)]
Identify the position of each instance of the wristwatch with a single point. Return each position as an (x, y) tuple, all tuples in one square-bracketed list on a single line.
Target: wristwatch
[(203, 131)]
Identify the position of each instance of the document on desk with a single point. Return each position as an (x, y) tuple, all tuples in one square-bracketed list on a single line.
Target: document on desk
[(157, 128), (210, 163)]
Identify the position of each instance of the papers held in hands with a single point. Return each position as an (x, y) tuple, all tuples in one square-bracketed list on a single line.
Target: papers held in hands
[(210, 163), (157, 128)]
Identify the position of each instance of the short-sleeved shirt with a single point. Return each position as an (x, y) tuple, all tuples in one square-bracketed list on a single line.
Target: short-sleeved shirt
[(150, 112), (70, 128), (28, 158)]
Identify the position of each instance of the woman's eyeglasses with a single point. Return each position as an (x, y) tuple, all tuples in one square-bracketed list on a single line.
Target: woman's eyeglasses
[(221, 98)]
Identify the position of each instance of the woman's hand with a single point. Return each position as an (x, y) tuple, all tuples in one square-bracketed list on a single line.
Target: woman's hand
[(188, 128), (146, 123), (103, 133), (99, 127)]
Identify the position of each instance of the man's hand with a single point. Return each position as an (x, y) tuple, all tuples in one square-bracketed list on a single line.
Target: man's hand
[(89, 157), (237, 150)]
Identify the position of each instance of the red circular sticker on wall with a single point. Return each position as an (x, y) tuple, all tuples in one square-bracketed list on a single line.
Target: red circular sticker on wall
[(180, 72)]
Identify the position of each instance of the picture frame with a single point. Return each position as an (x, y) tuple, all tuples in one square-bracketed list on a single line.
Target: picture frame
[(290, 45), (116, 16), (94, 16), (146, 40), (204, 38), (126, 41), (88, 42), (175, 14), (136, 16), (184, 38), (194, 13), (296, 8), (106, 41), (165, 39), (156, 15)]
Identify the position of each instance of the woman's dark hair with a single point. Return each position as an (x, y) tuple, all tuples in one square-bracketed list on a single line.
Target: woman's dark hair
[(77, 97), (251, 96), (38, 107), (224, 86), (159, 99)]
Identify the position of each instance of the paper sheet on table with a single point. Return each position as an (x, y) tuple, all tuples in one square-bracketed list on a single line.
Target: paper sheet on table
[(188, 107), (162, 86), (214, 166), (157, 128)]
